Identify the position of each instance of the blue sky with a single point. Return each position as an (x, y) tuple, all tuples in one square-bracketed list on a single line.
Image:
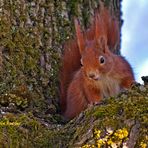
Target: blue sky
[(134, 44)]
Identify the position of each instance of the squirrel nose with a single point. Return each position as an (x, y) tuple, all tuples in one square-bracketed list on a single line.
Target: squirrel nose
[(93, 76)]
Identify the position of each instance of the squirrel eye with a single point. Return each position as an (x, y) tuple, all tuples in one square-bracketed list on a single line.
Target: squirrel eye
[(101, 60)]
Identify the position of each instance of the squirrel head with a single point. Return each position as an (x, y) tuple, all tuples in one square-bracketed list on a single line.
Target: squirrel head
[(96, 58)]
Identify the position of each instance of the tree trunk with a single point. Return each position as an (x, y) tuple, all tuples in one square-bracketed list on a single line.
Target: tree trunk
[(32, 34)]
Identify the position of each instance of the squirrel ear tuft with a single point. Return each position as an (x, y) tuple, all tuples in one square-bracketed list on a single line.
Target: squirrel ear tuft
[(98, 25), (100, 31), (102, 42), (79, 35), (114, 34)]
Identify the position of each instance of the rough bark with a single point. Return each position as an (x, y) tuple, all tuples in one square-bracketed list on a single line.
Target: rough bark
[(31, 37), (117, 122)]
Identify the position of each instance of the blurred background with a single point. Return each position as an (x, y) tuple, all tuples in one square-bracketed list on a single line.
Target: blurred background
[(134, 44)]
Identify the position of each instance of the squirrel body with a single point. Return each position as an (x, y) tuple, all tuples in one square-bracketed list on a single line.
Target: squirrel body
[(90, 71)]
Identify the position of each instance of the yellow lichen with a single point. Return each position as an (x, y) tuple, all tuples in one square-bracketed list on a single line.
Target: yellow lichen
[(143, 145), (110, 142), (97, 133), (100, 142), (121, 133), (110, 139), (88, 146)]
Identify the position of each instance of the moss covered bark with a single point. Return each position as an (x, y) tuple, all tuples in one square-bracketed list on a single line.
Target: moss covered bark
[(31, 37), (116, 122), (32, 34)]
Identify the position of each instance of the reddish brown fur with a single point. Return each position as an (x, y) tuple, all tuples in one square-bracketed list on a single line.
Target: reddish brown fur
[(84, 78), (70, 64)]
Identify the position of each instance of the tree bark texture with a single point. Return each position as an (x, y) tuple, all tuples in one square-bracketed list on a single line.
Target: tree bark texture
[(32, 34)]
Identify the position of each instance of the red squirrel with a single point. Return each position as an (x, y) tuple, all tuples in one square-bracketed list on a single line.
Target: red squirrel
[(90, 71)]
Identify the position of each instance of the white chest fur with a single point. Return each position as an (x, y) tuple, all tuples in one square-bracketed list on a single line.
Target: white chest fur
[(109, 86)]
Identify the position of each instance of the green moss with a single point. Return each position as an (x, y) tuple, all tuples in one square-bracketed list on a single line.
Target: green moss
[(29, 80), (24, 45), (20, 130), (116, 112), (72, 5)]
